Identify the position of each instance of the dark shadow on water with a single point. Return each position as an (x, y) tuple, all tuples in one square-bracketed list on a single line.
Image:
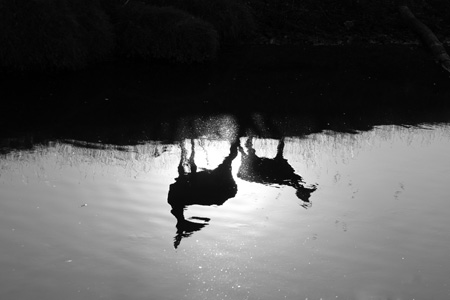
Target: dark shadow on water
[(214, 187), (193, 187), (275, 170)]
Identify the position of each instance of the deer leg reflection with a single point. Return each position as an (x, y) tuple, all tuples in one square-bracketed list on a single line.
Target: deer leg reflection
[(206, 187), (275, 170)]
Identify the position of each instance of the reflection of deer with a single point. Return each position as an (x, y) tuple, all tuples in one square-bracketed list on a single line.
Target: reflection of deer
[(272, 171), (207, 187)]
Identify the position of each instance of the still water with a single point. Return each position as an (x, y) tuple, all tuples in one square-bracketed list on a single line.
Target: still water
[(87, 221)]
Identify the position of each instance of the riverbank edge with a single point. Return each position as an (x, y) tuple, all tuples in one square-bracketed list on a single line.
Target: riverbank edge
[(354, 85)]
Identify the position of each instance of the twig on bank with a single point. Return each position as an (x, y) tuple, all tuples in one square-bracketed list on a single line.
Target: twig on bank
[(426, 36)]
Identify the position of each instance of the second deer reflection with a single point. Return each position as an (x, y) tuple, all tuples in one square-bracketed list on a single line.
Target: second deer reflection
[(275, 170), (206, 187)]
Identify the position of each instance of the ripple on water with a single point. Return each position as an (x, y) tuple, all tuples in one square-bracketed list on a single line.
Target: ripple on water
[(377, 227)]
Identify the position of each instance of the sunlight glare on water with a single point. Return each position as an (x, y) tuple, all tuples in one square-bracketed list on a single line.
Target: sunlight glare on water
[(79, 222)]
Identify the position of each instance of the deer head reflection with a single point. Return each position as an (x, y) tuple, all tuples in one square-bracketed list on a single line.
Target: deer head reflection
[(206, 187), (275, 170)]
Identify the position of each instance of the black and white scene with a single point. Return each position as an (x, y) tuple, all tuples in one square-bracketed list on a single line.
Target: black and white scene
[(224, 149)]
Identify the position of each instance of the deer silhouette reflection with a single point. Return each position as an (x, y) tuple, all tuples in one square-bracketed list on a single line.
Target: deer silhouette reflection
[(275, 170), (214, 187), (206, 187)]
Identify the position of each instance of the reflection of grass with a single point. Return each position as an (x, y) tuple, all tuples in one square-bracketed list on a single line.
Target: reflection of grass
[(306, 154), (135, 160), (331, 147)]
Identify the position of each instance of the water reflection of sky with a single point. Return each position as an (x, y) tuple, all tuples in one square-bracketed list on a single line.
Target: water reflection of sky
[(377, 229)]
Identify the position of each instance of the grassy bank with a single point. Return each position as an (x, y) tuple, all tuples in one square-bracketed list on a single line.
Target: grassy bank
[(147, 32), (345, 21), (48, 35), (72, 34)]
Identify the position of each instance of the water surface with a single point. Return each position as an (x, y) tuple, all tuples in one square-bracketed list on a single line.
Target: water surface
[(92, 221)]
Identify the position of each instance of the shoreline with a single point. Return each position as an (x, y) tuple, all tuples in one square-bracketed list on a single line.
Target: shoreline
[(356, 86)]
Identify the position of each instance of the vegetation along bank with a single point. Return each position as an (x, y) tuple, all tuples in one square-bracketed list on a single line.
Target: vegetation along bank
[(49, 35)]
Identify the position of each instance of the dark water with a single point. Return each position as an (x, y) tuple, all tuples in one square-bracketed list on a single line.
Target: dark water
[(92, 221)]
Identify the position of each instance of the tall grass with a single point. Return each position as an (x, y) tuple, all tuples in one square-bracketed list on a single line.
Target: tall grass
[(52, 34), (145, 31), (232, 19), (95, 30)]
